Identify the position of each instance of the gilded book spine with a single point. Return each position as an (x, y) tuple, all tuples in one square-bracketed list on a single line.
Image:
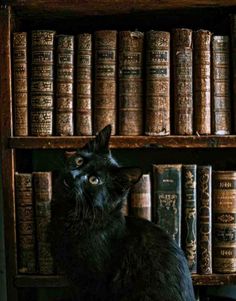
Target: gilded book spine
[(130, 83), (157, 121), (233, 59), (64, 85), (182, 76), (224, 222), (20, 86), (42, 83), (221, 86), (202, 81), (84, 85), (105, 80)]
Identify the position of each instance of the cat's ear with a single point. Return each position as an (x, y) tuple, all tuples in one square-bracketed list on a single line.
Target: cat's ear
[(102, 139), (128, 176)]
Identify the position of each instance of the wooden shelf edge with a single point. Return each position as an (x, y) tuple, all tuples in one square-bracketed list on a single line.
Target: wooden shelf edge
[(213, 279)]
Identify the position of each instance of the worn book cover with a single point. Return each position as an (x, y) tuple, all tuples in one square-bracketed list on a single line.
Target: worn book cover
[(233, 62)]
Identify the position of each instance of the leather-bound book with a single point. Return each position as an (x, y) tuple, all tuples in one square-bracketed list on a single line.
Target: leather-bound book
[(130, 57), (84, 85), (202, 81), (157, 119), (182, 80), (42, 184), (204, 225), (20, 85), (167, 198), (25, 223), (140, 198), (105, 107), (221, 102), (42, 42), (224, 222), (189, 217), (233, 60), (64, 85)]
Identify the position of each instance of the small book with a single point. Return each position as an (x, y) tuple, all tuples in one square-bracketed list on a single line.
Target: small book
[(233, 60)]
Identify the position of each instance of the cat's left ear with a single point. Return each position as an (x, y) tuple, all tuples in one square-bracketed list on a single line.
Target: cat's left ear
[(128, 176), (102, 139)]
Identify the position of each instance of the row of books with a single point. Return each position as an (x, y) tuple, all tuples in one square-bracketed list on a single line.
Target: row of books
[(136, 81)]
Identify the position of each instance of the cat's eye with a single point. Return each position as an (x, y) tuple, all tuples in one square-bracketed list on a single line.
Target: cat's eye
[(79, 161), (94, 180)]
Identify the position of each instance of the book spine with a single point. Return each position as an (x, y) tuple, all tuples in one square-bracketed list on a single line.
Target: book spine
[(233, 59), (64, 85), (204, 238), (224, 222), (42, 83), (189, 221), (221, 122), (20, 85), (202, 81), (140, 198), (157, 83), (105, 80), (167, 198), (25, 223), (130, 82), (84, 85), (182, 76)]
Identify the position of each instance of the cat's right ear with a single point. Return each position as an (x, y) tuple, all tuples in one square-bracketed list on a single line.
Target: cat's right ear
[(128, 176), (102, 139)]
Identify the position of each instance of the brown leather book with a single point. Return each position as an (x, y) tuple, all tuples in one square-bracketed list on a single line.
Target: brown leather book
[(130, 58), (25, 222), (224, 222), (221, 102), (64, 85), (233, 59), (42, 82), (84, 85), (20, 85), (104, 110), (157, 121), (202, 81), (182, 79)]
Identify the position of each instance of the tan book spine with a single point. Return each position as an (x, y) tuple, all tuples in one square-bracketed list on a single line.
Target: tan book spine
[(157, 121), (84, 85), (221, 102), (233, 59), (105, 109), (182, 77), (202, 81)]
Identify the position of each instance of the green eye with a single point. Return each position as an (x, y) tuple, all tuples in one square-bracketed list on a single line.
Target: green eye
[(79, 161), (94, 180)]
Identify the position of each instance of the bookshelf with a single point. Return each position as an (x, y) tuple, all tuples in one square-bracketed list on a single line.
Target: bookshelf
[(59, 14)]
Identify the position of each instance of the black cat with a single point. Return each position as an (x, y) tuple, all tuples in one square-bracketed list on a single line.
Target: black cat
[(109, 257)]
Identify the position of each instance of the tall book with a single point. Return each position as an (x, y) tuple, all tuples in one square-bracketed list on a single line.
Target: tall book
[(25, 223), (233, 59), (221, 102), (42, 91), (167, 198), (64, 85), (20, 85), (42, 184), (130, 57), (83, 109), (105, 108), (189, 214), (202, 81), (204, 210), (140, 198), (157, 121), (182, 80), (224, 222)]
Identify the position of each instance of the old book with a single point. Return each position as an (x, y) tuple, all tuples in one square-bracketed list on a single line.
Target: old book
[(42, 184), (83, 109), (157, 113), (182, 80), (25, 221), (130, 57), (140, 198), (233, 59), (221, 102), (224, 221), (167, 198), (104, 109), (189, 217), (20, 85), (64, 85), (41, 107), (204, 237), (202, 81)]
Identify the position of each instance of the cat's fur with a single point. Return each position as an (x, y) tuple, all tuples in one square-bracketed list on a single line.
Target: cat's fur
[(106, 256)]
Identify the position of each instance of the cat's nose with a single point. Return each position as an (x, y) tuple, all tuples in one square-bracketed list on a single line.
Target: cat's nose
[(74, 173)]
